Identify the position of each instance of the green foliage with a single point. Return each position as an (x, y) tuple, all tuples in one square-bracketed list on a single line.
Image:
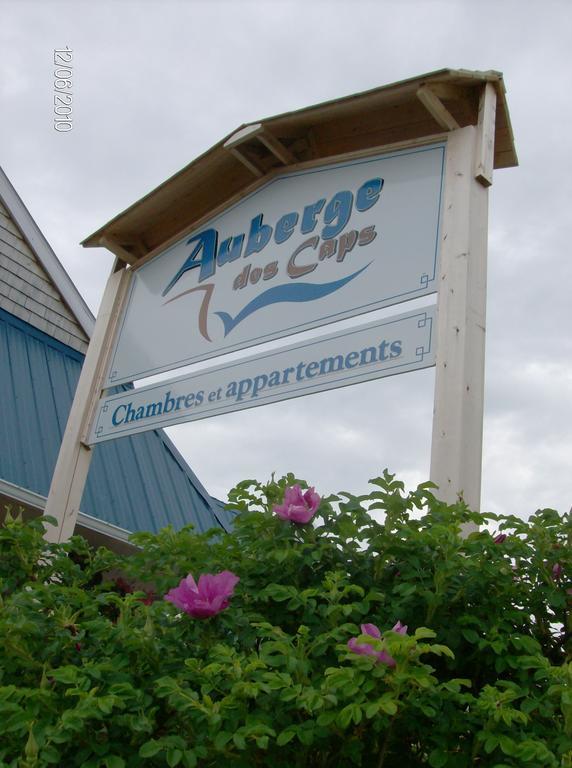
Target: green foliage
[(97, 675)]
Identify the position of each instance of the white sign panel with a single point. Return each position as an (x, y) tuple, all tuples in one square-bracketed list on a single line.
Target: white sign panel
[(395, 345), (306, 249)]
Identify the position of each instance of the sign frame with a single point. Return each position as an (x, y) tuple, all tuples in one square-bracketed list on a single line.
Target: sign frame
[(146, 298), (245, 380), (456, 449)]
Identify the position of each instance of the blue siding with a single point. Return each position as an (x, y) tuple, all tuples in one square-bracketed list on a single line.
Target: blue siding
[(138, 483)]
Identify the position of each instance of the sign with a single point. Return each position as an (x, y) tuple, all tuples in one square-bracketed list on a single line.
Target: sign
[(394, 345), (312, 244), (305, 249)]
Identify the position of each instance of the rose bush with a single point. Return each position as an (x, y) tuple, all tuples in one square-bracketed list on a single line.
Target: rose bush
[(263, 662)]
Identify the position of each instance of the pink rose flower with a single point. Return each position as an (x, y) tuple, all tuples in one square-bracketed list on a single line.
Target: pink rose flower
[(365, 649), (400, 628), (207, 598), (557, 571), (298, 507)]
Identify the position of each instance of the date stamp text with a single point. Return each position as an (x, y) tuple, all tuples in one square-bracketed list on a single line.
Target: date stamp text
[(63, 95)]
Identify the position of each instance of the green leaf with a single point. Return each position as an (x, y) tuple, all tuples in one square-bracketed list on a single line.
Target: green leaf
[(470, 635), (491, 743), (356, 713), (527, 750), (347, 527), (174, 757), (345, 716), (66, 675), (113, 761), (189, 758), (438, 758), (388, 705), (286, 736), (150, 748), (326, 718), (371, 710), (454, 686), (442, 650), (507, 745), (422, 633), (221, 739), (279, 592), (305, 736), (239, 741), (49, 754)]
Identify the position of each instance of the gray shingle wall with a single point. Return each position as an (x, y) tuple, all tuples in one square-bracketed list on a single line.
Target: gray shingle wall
[(27, 292)]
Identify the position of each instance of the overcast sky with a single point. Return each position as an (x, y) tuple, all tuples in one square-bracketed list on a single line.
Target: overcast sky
[(157, 83)]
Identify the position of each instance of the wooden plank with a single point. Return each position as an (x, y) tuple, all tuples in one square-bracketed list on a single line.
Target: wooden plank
[(192, 226), (160, 214), (69, 339), (435, 107), (456, 449), (117, 250), (74, 458), (21, 262), (484, 156), (448, 91), (378, 120), (27, 274), (7, 223), (201, 219), (246, 162), (41, 303), (17, 243), (371, 151), (246, 133), (276, 147), (146, 215), (19, 256), (380, 140), (16, 308)]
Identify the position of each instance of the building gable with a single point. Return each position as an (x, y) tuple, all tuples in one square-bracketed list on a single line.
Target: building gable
[(31, 278), (139, 483)]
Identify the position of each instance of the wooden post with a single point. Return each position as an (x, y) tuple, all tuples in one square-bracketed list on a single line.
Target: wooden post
[(74, 458), (485, 149), (456, 449)]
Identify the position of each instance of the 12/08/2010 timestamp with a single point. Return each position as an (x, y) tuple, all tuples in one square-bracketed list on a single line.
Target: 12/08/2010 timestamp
[(63, 96)]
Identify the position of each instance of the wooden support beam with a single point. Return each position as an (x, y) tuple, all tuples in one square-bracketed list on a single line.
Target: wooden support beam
[(247, 162), (276, 147), (485, 150), (118, 250), (435, 107), (448, 92), (72, 466), (246, 133), (135, 246), (272, 144), (312, 143)]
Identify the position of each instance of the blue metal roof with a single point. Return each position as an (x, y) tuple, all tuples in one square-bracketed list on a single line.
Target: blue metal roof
[(140, 482)]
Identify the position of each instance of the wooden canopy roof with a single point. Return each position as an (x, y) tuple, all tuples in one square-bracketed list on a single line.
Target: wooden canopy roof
[(424, 106)]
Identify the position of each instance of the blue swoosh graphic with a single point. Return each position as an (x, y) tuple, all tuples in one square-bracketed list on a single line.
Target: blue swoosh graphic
[(285, 292)]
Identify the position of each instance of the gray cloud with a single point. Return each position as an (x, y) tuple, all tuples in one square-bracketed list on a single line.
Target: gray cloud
[(155, 84)]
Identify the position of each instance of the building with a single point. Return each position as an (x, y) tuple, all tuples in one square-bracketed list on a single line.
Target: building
[(135, 483)]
